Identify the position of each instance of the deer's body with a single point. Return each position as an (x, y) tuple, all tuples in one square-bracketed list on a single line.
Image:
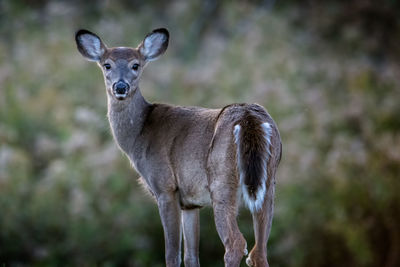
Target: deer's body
[(190, 157), (164, 138)]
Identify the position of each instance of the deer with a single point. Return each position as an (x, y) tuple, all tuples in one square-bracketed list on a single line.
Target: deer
[(190, 157)]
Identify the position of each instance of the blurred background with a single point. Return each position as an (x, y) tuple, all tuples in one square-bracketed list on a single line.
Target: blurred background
[(327, 71)]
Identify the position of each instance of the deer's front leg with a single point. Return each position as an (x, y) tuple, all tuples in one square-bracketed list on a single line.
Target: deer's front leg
[(170, 213), (191, 236)]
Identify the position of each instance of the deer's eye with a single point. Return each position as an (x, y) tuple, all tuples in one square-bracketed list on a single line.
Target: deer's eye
[(107, 66), (135, 66)]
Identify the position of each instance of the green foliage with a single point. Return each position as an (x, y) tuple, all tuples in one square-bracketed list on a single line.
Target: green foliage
[(69, 197)]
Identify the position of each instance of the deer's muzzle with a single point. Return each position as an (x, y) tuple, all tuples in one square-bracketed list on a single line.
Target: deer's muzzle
[(120, 90)]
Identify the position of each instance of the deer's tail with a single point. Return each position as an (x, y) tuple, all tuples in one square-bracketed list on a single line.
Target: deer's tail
[(253, 142)]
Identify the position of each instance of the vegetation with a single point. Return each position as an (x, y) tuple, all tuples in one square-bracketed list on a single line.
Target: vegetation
[(328, 73)]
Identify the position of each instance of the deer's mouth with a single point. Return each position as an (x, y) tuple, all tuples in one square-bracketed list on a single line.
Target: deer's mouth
[(120, 96)]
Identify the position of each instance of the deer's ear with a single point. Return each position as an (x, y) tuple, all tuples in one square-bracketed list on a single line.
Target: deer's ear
[(154, 44), (90, 45)]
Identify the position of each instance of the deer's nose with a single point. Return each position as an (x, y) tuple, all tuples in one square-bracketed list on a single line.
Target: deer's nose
[(121, 87)]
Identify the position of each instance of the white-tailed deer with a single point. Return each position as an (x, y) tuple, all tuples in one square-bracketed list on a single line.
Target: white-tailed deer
[(189, 157)]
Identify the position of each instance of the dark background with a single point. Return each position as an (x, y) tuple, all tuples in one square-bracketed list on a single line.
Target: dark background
[(327, 71)]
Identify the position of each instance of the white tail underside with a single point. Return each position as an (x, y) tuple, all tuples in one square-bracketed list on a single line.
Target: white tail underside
[(254, 204)]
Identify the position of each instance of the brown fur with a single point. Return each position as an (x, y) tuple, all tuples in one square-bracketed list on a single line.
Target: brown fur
[(120, 53)]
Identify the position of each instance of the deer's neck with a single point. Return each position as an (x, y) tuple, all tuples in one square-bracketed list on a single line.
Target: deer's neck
[(127, 118)]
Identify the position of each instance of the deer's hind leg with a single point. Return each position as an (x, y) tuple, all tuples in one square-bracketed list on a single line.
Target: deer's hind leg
[(224, 186), (262, 221), (225, 208)]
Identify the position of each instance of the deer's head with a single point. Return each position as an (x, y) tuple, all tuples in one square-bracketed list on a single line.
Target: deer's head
[(122, 66)]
